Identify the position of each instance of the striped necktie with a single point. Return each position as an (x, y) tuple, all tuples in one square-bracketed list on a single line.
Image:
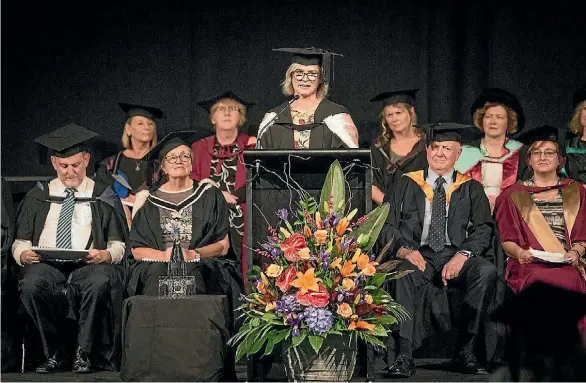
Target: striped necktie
[(65, 218)]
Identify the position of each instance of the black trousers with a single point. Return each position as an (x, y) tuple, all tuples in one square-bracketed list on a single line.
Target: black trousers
[(93, 297), (425, 297)]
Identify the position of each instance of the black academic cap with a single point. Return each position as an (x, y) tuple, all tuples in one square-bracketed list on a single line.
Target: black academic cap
[(500, 96), (543, 306), (149, 112), (207, 104), (314, 56), (395, 97), (543, 133), (579, 96), (450, 131), (170, 142), (66, 141)]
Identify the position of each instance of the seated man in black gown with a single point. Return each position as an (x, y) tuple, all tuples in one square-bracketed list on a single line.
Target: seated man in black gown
[(441, 227), (72, 212)]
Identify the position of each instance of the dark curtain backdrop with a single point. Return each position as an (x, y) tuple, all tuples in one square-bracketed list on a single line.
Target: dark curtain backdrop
[(66, 63)]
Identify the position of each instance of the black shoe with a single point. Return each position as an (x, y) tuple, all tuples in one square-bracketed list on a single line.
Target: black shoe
[(466, 363), (81, 364), (403, 367), (51, 365)]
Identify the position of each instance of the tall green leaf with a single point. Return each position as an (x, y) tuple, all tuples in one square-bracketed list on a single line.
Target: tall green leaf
[(316, 342), (334, 185), (371, 228)]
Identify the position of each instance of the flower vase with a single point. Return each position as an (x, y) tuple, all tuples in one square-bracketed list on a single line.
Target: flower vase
[(335, 361)]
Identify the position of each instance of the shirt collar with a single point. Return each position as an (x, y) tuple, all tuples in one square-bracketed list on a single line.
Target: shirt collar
[(57, 188), (433, 176)]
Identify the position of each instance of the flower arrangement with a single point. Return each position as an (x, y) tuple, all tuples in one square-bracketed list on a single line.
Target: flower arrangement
[(320, 277)]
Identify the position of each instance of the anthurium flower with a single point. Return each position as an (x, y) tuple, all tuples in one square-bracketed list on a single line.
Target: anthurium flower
[(347, 269), (321, 236), (304, 254), (348, 284), (306, 281), (285, 279), (274, 270), (342, 226), (344, 310), (292, 245), (361, 325), (318, 299)]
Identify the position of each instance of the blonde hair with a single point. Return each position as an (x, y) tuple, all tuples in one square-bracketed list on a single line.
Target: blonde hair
[(537, 145), (230, 102), (386, 132), (575, 125), (127, 142), (287, 84), (511, 116)]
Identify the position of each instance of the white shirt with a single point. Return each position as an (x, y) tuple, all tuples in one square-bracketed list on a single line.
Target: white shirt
[(81, 224), (431, 178)]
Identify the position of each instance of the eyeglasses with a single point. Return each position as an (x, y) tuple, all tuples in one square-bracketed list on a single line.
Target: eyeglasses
[(223, 109), (300, 75), (546, 153), (181, 157)]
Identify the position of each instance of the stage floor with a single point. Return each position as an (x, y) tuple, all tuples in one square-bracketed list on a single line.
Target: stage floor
[(427, 371)]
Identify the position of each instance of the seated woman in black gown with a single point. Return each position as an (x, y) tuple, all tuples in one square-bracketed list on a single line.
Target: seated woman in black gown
[(200, 214), (309, 120)]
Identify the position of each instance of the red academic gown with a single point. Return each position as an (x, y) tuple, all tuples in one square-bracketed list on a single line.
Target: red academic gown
[(203, 153), (514, 227)]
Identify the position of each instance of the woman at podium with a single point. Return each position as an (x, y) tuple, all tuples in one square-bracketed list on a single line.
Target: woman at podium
[(309, 120), (400, 148), (220, 157), (197, 211)]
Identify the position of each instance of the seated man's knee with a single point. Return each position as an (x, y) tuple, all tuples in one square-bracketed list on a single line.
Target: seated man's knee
[(33, 285), (486, 270)]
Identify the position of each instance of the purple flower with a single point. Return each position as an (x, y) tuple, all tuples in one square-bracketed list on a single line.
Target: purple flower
[(267, 246), (332, 220), (283, 214), (295, 331), (318, 320), (346, 243), (288, 304), (275, 251)]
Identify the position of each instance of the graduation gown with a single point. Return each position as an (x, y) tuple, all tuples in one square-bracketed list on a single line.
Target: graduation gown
[(210, 224), (93, 293), (110, 165), (514, 162), (386, 174), (202, 168), (336, 129), (576, 160), (469, 227)]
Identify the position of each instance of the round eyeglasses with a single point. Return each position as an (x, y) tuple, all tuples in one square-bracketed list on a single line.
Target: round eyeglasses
[(181, 157)]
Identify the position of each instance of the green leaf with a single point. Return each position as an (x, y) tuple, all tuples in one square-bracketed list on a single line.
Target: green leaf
[(328, 282), (368, 338), (371, 228), (255, 322), (256, 346), (270, 345), (378, 331), (334, 185), (289, 227), (385, 320), (378, 279), (282, 334), (240, 351), (296, 340), (316, 342)]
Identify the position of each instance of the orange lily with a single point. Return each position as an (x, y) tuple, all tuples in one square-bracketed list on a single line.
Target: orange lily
[(361, 325), (342, 226), (306, 281), (347, 269), (336, 263), (306, 231), (356, 255)]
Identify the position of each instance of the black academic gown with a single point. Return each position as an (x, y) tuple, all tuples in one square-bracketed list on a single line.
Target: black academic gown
[(470, 227), (91, 295), (576, 160), (385, 174), (279, 137), (210, 223)]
